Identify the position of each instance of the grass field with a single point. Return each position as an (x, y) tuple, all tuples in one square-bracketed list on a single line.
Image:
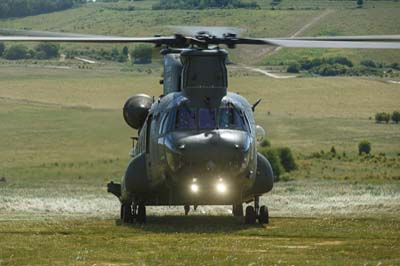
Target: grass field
[(62, 138), (378, 17), (201, 240)]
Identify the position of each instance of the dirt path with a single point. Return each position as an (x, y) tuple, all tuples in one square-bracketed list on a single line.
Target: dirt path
[(297, 33)]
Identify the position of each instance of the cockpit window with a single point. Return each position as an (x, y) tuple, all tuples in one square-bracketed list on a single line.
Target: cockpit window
[(229, 117), (207, 118), (185, 118)]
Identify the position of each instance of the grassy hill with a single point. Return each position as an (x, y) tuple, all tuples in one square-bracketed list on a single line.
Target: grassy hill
[(377, 17)]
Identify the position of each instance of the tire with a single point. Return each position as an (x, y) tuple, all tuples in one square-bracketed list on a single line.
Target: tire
[(250, 217), (141, 214), (237, 210), (263, 217), (127, 213)]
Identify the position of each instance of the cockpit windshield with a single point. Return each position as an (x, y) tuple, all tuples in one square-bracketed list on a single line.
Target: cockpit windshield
[(185, 118), (209, 118), (229, 117)]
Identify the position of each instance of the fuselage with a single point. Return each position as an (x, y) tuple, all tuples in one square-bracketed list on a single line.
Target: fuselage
[(198, 142)]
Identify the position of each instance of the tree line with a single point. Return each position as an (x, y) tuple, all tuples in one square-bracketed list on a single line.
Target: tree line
[(339, 66), (202, 4), (22, 8), (41, 51)]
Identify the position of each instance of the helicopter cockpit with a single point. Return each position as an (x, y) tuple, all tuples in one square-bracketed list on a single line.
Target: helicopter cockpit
[(186, 118)]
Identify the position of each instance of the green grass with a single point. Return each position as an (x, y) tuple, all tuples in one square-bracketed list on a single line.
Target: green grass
[(63, 139), (68, 123), (378, 17), (201, 240)]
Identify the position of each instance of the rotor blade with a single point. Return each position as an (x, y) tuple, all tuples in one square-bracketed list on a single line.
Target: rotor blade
[(31, 33), (214, 31), (156, 40), (332, 44), (367, 38)]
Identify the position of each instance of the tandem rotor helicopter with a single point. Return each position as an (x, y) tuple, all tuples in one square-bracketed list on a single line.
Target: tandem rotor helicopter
[(197, 143)]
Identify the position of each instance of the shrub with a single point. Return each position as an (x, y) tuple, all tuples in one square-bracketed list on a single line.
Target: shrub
[(16, 52), (396, 117), (333, 150), (273, 158), (2, 48), (265, 143), (287, 159), (369, 63), (395, 66), (142, 54), (294, 68), (382, 117), (47, 50), (364, 147)]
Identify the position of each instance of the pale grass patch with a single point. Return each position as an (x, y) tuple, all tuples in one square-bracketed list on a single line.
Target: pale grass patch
[(305, 198)]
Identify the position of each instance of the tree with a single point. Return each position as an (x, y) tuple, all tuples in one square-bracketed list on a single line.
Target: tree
[(2, 48), (142, 54), (16, 52), (364, 147), (294, 68), (125, 51), (369, 63), (265, 143), (360, 3), (273, 158), (47, 50), (287, 159), (396, 117)]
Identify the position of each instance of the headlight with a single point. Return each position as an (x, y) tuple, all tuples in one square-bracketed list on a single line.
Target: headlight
[(194, 188), (221, 187)]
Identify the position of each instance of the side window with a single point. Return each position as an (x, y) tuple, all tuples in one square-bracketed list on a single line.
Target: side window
[(163, 120)]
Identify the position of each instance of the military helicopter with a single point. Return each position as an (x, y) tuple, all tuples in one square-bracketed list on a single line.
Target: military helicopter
[(197, 142)]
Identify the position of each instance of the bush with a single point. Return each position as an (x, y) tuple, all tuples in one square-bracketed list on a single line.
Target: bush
[(395, 66), (333, 150), (47, 50), (265, 143), (382, 117), (2, 48), (273, 158), (16, 52), (294, 68), (369, 63), (364, 147), (287, 159), (396, 117), (142, 54)]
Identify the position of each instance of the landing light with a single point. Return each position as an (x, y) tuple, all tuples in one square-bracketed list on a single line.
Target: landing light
[(194, 188), (221, 187)]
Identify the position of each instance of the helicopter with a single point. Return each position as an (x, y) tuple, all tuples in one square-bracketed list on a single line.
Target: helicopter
[(197, 142)]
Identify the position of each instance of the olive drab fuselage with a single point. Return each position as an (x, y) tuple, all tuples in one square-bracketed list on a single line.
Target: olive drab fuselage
[(197, 144)]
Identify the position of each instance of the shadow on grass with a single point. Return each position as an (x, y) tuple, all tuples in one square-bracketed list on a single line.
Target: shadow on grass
[(193, 224)]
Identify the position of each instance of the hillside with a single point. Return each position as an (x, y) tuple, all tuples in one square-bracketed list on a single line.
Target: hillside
[(377, 17)]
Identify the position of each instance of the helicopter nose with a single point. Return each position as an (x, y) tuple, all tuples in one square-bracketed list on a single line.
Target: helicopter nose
[(214, 152)]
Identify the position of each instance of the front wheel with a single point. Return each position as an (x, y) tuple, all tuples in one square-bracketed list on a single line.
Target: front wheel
[(250, 217), (141, 214), (263, 217)]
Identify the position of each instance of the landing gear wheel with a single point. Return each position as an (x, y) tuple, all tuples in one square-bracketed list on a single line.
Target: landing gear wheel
[(187, 209), (126, 213), (237, 210), (250, 217), (263, 217), (141, 214)]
